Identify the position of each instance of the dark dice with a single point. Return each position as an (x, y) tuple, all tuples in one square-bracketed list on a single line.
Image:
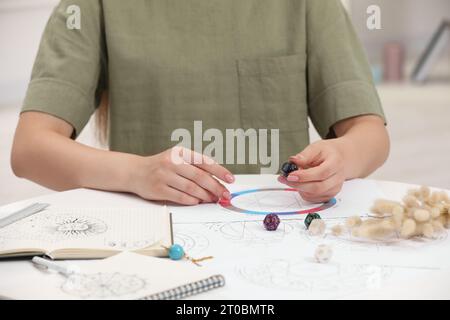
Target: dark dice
[(287, 168), (310, 217), (271, 222)]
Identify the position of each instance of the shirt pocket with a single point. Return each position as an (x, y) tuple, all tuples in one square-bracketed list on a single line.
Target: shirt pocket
[(272, 93)]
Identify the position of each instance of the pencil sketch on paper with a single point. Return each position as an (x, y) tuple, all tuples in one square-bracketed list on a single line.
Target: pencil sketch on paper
[(124, 244), (102, 285), (252, 232), (50, 226), (70, 226), (305, 276), (271, 201), (192, 242)]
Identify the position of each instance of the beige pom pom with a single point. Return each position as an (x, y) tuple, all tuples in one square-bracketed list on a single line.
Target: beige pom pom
[(356, 232), (437, 226), (323, 253), (411, 201), (408, 228), (421, 215), (398, 215), (424, 192), (388, 224), (382, 206), (317, 227), (447, 223), (375, 229), (352, 222), (337, 230), (428, 230), (441, 207), (414, 192), (434, 198), (446, 208), (445, 197), (443, 220), (435, 212), (397, 210)]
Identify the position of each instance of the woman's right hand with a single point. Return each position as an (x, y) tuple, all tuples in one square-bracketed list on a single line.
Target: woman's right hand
[(181, 176)]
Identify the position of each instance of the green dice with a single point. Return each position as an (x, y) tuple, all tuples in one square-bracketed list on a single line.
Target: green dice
[(310, 217)]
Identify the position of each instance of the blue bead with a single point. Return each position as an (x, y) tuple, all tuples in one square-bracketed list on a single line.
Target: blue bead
[(176, 252)]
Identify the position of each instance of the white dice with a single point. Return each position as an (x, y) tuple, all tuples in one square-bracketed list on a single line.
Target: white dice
[(323, 253)]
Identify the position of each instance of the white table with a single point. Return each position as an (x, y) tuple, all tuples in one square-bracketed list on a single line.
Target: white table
[(430, 284)]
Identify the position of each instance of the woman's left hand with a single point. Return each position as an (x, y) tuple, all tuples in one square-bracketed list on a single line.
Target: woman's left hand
[(321, 171)]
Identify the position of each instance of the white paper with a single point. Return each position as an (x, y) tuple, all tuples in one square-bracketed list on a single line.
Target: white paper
[(59, 228), (124, 276), (260, 264)]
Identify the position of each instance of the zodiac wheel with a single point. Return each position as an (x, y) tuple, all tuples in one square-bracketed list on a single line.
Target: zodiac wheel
[(282, 201)]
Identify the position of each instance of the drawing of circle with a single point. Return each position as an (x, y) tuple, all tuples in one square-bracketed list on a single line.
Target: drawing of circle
[(253, 231), (102, 285), (73, 226), (79, 226), (282, 201), (191, 242), (311, 277)]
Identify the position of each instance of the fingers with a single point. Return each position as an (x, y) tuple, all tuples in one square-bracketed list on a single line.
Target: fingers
[(319, 173), (319, 187), (317, 191), (191, 188), (176, 196), (204, 180), (218, 171), (308, 156), (315, 199), (207, 164), (330, 194)]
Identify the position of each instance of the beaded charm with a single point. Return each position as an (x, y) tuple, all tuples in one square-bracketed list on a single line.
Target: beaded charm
[(287, 168), (271, 222), (176, 252), (310, 217)]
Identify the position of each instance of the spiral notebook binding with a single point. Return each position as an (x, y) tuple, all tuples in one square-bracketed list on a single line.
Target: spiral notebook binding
[(190, 289)]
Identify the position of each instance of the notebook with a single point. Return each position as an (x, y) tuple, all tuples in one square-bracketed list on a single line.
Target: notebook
[(62, 233), (124, 276)]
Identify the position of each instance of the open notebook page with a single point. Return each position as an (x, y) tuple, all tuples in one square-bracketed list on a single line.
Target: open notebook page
[(113, 229), (123, 276)]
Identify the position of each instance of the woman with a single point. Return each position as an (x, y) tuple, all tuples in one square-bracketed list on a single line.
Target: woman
[(159, 65)]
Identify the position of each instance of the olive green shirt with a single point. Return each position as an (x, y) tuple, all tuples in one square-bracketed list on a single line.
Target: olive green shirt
[(262, 64)]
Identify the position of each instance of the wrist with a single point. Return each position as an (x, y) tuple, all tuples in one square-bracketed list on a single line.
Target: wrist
[(350, 155), (134, 168)]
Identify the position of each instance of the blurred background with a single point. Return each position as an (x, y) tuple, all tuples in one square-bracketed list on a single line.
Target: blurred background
[(418, 111)]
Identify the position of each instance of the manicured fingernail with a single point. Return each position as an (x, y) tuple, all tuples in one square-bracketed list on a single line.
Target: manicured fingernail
[(292, 178), (226, 195), (229, 178)]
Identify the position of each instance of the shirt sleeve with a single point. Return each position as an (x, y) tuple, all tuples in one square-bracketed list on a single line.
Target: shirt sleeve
[(68, 76), (340, 83)]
